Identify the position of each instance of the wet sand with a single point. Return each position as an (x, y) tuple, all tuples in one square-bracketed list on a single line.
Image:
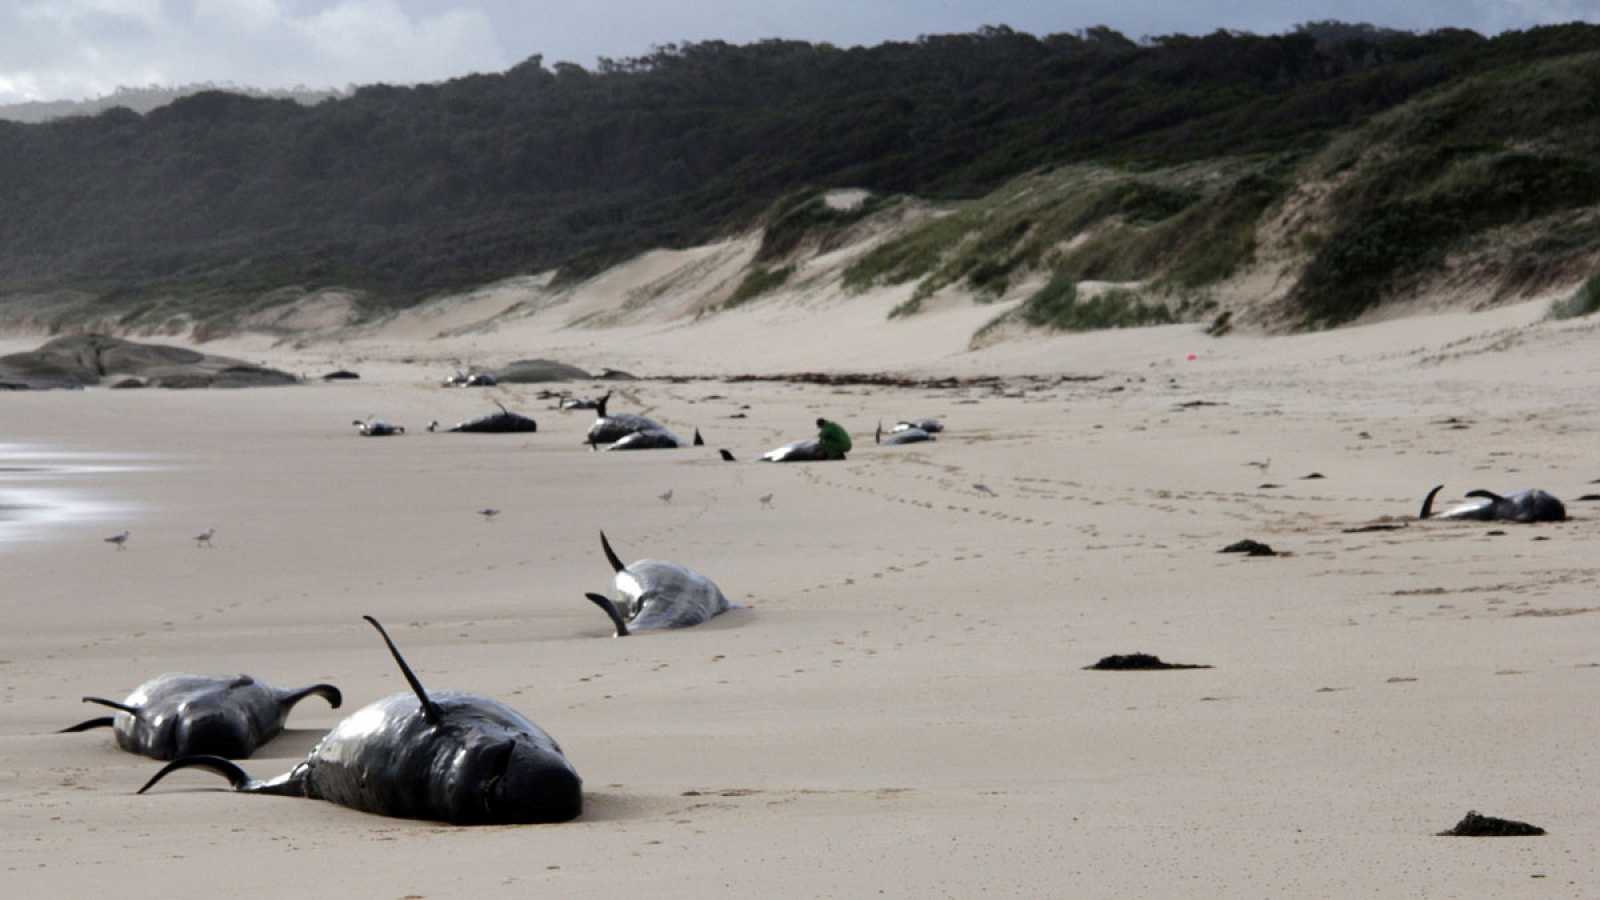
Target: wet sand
[(902, 708)]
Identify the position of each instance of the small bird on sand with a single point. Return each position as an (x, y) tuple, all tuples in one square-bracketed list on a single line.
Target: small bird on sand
[(983, 489), (488, 513), (667, 497), (120, 540), (766, 500), (1262, 464), (203, 539)]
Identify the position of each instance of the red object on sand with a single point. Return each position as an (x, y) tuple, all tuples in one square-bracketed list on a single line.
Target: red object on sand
[(1192, 357)]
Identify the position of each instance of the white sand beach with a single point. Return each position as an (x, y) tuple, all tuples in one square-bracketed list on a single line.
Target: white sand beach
[(900, 708)]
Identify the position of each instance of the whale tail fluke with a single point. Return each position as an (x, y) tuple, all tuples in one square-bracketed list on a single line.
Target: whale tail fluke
[(326, 691), (600, 406), (105, 722), (1427, 502), (610, 609)]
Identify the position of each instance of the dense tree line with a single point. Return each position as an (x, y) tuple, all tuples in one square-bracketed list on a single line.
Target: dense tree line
[(406, 191)]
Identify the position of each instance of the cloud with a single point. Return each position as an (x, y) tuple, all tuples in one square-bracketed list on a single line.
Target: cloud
[(51, 49)]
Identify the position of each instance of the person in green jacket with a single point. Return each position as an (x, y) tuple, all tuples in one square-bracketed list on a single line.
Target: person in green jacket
[(835, 441)]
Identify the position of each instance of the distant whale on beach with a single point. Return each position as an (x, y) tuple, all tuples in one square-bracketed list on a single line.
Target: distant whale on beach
[(183, 715), (658, 594), (1524, 506), (609, 429), (503, 422)]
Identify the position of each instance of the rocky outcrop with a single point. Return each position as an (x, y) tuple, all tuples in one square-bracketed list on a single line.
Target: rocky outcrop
[(85, 360)]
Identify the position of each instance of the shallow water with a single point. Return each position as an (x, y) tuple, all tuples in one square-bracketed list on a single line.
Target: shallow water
[(44, 491)]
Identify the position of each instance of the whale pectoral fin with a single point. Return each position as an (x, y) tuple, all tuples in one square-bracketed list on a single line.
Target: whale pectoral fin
[(292, 784), (1488, 495), (123, 707), (326, 691), (1427, 502), (235, 775), (106, 722), (610, 609)]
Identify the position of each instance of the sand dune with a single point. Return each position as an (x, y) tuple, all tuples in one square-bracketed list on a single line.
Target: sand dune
[(901, 709)]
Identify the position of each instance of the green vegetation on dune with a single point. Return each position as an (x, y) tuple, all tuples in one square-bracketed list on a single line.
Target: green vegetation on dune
[(1058, 306), (1179, 229), (759, 281), (1501, 149), (1584, 301)]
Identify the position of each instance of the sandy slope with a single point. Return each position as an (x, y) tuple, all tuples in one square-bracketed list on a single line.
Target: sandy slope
[(901, 709)]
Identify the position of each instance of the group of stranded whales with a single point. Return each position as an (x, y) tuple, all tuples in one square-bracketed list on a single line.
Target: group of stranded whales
[(630, 431), (450, 756)]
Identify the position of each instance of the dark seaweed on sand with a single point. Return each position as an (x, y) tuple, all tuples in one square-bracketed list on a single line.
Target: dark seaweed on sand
[(1249, 548), (1128, 662), (1474, 825)]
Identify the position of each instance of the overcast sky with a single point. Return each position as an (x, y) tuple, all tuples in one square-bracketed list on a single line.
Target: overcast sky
[(55, 49)]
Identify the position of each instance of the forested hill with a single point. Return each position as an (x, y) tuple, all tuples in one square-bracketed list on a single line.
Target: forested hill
[(404, 192)]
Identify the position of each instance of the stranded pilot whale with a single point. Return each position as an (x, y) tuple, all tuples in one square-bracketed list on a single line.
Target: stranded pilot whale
[(503, 422), (1523, 506), (177, 715), (609, 429), (450, 757), (658, 594)]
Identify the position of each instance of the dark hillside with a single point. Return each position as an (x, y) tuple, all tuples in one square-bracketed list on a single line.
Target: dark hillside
[(408, 191)]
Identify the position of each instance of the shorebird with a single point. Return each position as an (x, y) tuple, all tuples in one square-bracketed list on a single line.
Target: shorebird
[(488, 513), (119, 539), (203, 539), (983, 489), (1263, 465), (667, 497), (766, 500)]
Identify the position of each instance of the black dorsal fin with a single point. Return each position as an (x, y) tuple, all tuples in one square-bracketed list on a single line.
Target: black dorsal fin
[(130, 710), (502, 407), (430, 710), (1427, 502), (611, 555), (698, 440), (877, 436)]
